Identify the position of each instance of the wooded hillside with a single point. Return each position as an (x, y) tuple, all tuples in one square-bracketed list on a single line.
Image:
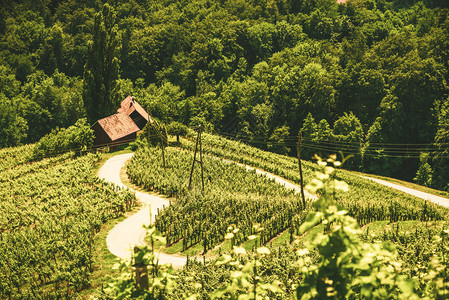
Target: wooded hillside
[(368, 77)]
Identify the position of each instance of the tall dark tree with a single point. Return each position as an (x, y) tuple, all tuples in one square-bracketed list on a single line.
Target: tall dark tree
[(101, 72)]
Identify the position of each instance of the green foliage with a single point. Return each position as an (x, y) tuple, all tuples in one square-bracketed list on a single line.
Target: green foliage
[(101, 72), (78, 138), (9, 86), (164, 102), (13, 128), (178, 129), (345, 137), (348, 129), (155, 281), (424, 173), (440, 160), (156, 133), (245, 278), (278, 140), (346, 267), (58, 96), (51, 211), (421, 248)]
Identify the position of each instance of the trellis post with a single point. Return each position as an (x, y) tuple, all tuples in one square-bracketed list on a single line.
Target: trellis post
[(199, 129), (300, 170)]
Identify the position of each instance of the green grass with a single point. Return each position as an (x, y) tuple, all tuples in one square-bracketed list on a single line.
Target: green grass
[(251, 245), (196, 249), (224, 247), (281, 239), (104, 260)]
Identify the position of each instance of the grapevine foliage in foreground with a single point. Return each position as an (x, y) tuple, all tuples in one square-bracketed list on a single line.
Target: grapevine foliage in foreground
[(345, 267), (49, 214), (232, 195), (335, 264)]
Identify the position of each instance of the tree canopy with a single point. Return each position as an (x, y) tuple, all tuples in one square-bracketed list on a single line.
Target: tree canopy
[(366, 77)]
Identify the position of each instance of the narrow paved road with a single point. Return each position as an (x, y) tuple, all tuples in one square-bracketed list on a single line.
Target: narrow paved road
[(130, 232), (426, 196)]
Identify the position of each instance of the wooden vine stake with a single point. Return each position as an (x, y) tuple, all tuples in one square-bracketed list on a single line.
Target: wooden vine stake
[(199, 129), (163, 147), (141, 270), (300, 170)]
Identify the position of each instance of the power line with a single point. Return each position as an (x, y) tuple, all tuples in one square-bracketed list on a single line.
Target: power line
[(349, 148), (294, 138)]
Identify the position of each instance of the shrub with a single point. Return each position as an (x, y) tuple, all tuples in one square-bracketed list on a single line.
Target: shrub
[(76, 138)]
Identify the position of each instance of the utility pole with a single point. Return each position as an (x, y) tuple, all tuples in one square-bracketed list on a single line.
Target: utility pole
[(199, 129), (163, 148), (300, 169)]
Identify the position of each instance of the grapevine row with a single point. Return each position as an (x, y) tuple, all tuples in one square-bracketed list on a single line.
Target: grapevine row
[(49, 214), (366, 201), (232, 196)]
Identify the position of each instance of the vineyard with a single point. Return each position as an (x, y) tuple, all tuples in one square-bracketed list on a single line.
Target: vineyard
[(235, 196), (53, 208), (10, 158), (232, 195), (366, 201), (50, 212), (416, 228)]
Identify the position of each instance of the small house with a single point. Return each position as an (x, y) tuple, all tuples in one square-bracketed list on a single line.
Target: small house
[(114, 130), (131, 108)]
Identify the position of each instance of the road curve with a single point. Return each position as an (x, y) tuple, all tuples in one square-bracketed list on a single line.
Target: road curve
[(426, 196), (122, 238)]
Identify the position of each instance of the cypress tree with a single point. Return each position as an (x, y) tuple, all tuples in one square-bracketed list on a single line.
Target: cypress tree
[(101, 71)]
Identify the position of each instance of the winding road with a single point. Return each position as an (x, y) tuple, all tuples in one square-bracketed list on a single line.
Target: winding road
[(122, 238)]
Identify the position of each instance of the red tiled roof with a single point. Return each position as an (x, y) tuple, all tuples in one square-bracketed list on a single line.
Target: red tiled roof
[(129, 105), (118, 126)]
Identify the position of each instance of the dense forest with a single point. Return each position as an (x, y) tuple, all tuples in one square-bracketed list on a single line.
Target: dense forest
[(365, 77)]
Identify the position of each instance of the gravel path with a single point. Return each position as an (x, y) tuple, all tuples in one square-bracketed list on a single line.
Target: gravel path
[(130, 232), (426, 196)]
